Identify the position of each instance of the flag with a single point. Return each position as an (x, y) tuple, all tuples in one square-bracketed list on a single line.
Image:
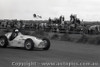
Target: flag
[(34, 15), (37, 16)]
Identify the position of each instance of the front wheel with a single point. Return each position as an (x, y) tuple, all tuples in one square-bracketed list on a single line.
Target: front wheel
[(29, 44), (3, 41), (47, 43)]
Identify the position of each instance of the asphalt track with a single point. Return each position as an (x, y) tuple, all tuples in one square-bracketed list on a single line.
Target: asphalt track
[(61, 54)]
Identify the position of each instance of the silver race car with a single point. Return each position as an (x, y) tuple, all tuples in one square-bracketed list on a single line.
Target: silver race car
[(17, 39)]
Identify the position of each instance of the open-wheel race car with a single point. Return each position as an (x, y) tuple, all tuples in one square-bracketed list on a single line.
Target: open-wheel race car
[(17, 39)]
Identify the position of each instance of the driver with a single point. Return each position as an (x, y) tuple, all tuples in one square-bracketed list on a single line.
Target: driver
[(16, 31), (14, 34)]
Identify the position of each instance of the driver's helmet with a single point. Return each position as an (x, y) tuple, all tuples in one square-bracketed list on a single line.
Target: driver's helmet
[(16, 30)]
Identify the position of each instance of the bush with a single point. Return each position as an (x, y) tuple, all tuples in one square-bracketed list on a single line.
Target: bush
[(97, 40), (40, 34), (65, 37), (94, 40), (89, 39), (83, 39), (55, 36)]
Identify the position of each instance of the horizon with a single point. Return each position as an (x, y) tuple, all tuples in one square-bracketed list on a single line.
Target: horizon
[(43, 20), (88, 10)]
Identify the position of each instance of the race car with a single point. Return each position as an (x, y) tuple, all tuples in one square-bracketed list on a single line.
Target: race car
[(17, 39)]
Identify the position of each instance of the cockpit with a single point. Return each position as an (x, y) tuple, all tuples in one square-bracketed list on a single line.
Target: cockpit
[(14, 34)]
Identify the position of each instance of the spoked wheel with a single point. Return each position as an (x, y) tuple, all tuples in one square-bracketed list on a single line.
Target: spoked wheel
[(3, 41), (47, 44), (29, 45)]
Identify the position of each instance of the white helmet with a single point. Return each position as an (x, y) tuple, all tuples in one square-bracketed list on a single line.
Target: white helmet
[(16, 30)]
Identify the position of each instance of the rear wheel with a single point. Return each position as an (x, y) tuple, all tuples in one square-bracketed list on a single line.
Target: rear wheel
[(47, 44), (3, 41), (29, 44)]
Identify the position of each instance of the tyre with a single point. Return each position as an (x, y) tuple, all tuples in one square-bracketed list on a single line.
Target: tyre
[(3, 41), (47, 43), (29, 44)]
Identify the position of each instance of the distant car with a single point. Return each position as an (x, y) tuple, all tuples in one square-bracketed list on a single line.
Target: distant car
[(17, 39)]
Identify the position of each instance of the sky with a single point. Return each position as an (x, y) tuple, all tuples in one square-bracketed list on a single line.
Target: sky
[(88, 10)]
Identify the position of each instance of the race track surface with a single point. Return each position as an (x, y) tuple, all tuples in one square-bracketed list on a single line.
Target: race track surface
[(61, 54)]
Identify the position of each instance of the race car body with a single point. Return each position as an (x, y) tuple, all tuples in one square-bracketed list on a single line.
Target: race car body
[(26, 41)]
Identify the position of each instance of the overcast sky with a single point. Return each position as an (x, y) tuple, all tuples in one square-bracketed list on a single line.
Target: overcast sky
[(23, 9)]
